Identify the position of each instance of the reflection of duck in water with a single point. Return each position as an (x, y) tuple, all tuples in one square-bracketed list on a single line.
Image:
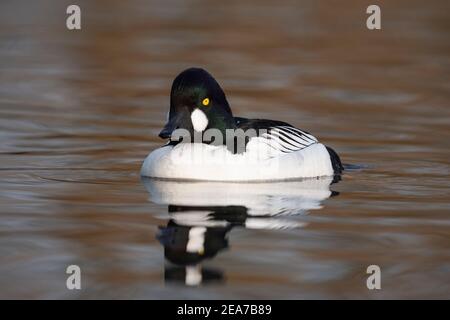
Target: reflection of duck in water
[(186, 247), (202, 214)]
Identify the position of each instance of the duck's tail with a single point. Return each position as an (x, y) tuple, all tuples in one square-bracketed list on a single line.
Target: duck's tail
[(335, 161)]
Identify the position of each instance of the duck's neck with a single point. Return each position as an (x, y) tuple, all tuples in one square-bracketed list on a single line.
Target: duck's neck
[(224, 124)]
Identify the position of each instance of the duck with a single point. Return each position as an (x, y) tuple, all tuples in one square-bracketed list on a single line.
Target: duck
[(206, 142)]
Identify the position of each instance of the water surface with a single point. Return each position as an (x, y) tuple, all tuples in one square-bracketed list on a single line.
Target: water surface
[(80, 110)]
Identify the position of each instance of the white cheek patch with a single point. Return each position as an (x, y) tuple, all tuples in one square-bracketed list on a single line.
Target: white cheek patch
[(199, 120)]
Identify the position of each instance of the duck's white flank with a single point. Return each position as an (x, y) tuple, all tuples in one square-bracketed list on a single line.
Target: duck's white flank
[(198, 161)]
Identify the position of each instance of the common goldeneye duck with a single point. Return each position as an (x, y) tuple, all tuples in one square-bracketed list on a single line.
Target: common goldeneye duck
[(206, 142)]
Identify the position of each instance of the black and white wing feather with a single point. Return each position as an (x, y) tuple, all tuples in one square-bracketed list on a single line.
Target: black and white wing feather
[(278, 135), (288, 139)]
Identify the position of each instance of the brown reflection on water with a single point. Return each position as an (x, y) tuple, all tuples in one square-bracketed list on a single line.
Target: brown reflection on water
[(79, 111)]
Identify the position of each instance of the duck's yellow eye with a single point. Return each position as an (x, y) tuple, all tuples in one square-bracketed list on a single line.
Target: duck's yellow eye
[(205, 101)]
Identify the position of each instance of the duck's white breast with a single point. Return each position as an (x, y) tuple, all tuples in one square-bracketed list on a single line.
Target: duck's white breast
[(198, 161)]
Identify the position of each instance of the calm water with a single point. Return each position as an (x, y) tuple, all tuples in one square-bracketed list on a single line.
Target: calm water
[(79, 111)]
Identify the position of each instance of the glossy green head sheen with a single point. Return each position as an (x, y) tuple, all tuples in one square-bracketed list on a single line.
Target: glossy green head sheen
[(196, 93)]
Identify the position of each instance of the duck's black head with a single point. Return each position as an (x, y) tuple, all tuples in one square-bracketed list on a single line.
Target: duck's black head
[(197, 103)]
